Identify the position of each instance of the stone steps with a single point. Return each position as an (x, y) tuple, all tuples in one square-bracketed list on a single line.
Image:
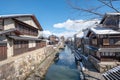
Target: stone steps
[(112, 74)]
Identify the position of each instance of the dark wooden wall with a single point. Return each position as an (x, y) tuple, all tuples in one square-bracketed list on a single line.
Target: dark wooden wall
[(23, 46), (3, 52)]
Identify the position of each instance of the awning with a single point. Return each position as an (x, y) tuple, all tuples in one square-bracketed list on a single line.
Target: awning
[(109, 50), (9, 30), (92, 48), (23, 38), (3, 43)]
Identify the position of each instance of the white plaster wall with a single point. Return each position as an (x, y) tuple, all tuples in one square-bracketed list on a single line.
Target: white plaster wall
[(9, 48), (32, 44), (8, 23), (28, 20)]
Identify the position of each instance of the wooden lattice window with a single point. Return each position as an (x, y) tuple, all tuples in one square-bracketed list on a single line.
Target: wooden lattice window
[(112, 42), (105, 41), (111, 21), (94, 41), (27, 29), (1, 24)]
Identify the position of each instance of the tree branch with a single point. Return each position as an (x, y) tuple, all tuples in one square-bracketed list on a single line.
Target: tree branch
[(85, 10), (110, 6), (94, 11)]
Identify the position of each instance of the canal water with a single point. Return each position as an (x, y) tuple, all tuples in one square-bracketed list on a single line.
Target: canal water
[(63, 69)]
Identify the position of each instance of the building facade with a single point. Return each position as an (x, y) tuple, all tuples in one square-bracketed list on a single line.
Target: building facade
[(102, 43), (53, 39), (19, 34)]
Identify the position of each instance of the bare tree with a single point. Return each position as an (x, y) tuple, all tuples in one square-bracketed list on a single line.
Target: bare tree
[(108, 3)]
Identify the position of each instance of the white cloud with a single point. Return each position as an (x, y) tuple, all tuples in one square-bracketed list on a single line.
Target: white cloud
[(59, 25), (45, 33), (71, 27), (75, 25), (65, 34)]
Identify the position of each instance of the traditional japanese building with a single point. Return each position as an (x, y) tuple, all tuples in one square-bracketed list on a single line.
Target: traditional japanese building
[(85, 42), (53, 39), (19, 34), (103, 42), (78, 40)]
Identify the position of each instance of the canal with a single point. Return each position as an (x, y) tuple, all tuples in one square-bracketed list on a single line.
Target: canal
[(63, 69)]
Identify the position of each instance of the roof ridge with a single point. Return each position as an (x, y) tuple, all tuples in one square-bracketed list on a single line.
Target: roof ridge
[(14, 15)]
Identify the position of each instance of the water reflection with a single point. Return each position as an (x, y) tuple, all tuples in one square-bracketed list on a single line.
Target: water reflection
[(64, 68)]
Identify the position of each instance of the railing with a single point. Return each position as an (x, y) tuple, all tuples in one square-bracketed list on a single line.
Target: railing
[(112, 74), (110, 46), (105, 46)]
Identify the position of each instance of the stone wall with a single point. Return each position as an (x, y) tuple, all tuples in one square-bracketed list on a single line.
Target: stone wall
[(94, 61), (103, 66), (21, 66)]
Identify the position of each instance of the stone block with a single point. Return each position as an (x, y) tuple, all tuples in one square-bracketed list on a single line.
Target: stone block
[(19, 67)]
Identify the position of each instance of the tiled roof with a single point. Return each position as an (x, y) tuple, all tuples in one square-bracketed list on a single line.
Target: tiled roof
[(112, 13), (101, 30), (22, 15), (7, 31), (15, 15), (80, 35), (109, 49), (23, 38)]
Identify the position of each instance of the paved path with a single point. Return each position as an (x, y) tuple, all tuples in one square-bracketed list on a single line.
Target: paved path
[(90, 71)]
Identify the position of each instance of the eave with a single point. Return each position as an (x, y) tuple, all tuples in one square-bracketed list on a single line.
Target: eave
[(9, 31), (23, 15)]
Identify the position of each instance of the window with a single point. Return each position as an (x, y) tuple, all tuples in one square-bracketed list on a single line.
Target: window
[(119, 21), (111, 41), (17, 44), (20, 44), (102, 54), (107, 54), (1, 24), (117, 42), (32, 44), (28, 30), (112, 21), (94, 41), (111, 54), (105, 41)]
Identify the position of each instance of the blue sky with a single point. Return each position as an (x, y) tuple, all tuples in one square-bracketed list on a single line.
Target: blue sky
[(49, 12)]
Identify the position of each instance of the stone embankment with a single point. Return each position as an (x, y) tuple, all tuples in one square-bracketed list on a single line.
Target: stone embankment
[(39, 72), (21, 67), (87, 70), (90, 71)]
